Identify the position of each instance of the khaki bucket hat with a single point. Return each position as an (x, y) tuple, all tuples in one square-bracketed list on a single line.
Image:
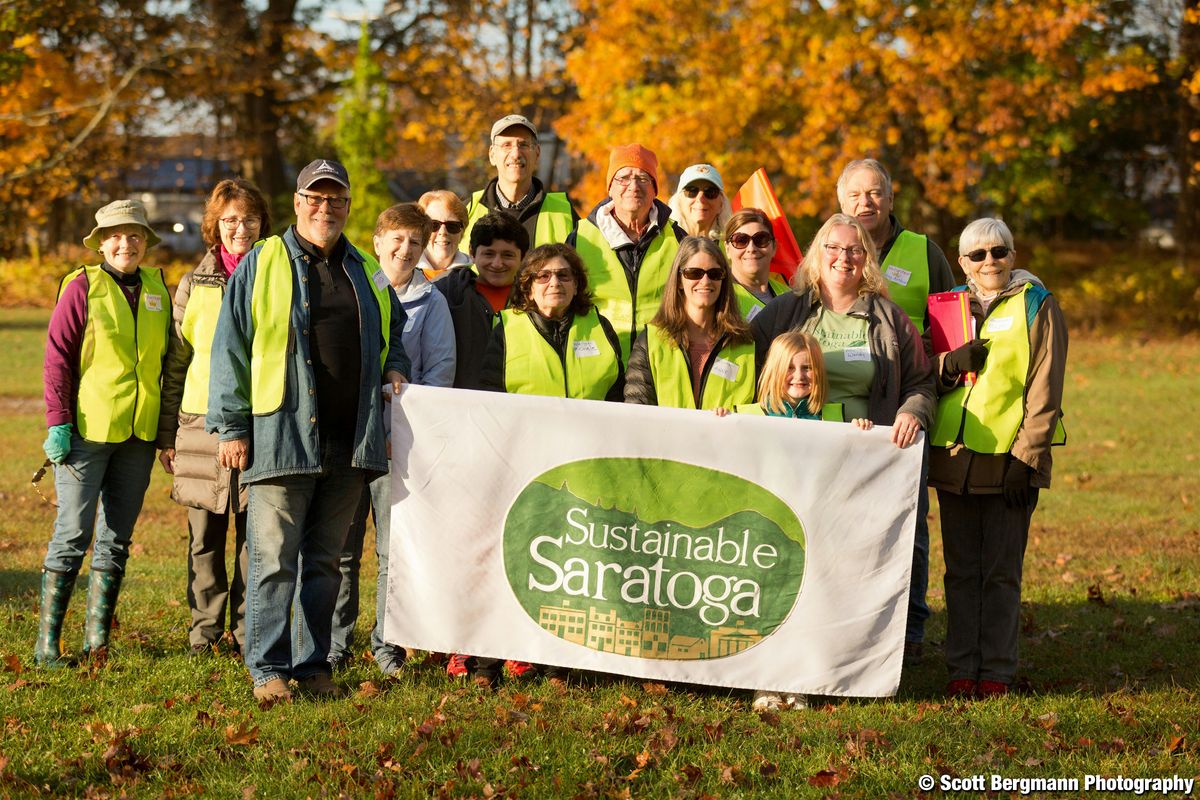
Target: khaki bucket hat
[(120, 212)]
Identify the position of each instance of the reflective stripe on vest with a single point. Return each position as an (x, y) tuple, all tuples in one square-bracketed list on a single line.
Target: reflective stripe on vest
[(199, 325), (728, 383), (986, 417), (610, 283), (531, 365), (271, 314), (906, 269), (120, 358), (554, 223), (751, 305)]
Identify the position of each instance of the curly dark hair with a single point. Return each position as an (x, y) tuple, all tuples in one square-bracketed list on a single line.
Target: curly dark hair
[(539, 257), (502, 226)]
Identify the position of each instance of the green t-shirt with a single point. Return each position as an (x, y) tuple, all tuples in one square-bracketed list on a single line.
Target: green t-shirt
[(848, 363)]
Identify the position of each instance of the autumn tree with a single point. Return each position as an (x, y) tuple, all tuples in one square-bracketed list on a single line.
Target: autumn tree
[(363, 142), (971, 103)]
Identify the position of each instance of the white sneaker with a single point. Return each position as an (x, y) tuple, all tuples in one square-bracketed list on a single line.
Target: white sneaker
[(767, 701), (795, 701)]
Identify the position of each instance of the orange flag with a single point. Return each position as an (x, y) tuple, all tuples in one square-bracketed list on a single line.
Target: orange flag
[(758, 193)]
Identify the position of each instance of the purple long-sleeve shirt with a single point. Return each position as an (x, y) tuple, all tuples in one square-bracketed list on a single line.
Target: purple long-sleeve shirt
[(60, 370)]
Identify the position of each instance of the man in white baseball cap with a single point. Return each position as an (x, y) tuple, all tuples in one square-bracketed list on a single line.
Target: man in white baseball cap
[(548, 217)]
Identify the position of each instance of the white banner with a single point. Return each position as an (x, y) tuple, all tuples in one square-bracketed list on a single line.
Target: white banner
[(657, 543)]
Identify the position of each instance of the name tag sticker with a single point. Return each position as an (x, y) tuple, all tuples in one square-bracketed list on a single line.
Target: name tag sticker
[(586, 349), (754, 312), (381, 280), (898, 276), (154, 302), (726, 369), (996, 324), (862, 353)]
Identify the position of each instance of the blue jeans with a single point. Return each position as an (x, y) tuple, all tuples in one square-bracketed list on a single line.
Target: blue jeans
[(297, 526), (100, 492), (377, 500), (918, 609)]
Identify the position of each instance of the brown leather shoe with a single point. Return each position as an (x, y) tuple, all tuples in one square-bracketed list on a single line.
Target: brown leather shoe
[(273, 691), (319, 685)]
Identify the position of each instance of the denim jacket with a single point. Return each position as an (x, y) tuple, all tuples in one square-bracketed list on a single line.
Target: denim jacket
[(286, 442)]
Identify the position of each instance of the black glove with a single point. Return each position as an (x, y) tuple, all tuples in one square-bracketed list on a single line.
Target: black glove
[(968, 358), (1016, 483)]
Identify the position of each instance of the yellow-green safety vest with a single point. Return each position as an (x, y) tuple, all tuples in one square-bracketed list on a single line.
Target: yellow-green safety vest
[(587, 370), (751, 305), (199, 326), (986, 416), (554, 223), (906, 269), (121, 358), (271, 314), (609, 283), (729, 382), (830, 412)]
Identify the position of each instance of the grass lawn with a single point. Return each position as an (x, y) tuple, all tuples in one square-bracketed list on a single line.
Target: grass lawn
[(1110, 651)]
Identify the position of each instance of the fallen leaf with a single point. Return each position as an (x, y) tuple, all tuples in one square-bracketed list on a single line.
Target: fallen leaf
[(768, 770), (826, 777), (1176, 745), (688, 774), (1094, 595), (12, 663), (205, 719), (1049, 720), (241, 735), (367, 689), (628, 702), (654, 689)]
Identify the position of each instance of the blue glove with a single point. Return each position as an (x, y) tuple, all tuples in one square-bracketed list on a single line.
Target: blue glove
[(58, 442)]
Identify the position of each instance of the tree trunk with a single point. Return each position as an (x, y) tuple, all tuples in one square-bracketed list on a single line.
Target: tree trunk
[(1187, 223)]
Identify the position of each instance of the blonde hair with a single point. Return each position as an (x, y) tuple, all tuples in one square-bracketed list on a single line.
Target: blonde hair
[(456, 206), (772, 383), (809, 275)]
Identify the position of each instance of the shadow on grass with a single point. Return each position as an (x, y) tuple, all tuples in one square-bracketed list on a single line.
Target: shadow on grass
[(1089, 648), (16, 584), (23, 323)]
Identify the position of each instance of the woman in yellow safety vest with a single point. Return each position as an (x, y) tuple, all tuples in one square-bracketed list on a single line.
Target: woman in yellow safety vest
[(551, 340), (104, 355), (697, 351), (750, 243), (236, 215), (990, 454)]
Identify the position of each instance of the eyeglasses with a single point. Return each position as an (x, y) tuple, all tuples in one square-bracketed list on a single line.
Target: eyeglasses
[(695, 273), (853, 251), (624, 180), (315, 200), (452, 226), (563, 276), (233, 223), (740, 241), (508, 147), (712, 192), (998, 252)]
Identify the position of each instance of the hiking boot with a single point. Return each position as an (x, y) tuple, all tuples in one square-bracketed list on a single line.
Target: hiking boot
[(766, 701), (390, 659), (963, 688), (273, 691), (56, 594), (796, 702), (318, 685), (103, 588), (913, 653)]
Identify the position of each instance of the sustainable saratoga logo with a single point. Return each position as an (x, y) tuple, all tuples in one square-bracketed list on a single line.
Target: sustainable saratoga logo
[(652, 558)]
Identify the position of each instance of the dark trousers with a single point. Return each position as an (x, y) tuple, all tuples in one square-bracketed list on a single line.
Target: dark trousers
[(210, 590), (984, 544)]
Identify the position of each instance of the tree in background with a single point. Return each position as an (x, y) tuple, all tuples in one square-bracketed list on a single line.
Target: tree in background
[(973, 104), (362, 140)]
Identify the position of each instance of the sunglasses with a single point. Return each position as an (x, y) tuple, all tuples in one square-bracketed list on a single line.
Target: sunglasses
[(712, 192), (741, 241), (695, 273), (998, 252), (563, 275), (452, 226)]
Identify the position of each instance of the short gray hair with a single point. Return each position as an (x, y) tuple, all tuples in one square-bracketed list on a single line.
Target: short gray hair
[(984, 232), (855, 166)]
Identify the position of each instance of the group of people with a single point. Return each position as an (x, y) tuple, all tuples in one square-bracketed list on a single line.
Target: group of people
[(265, 384)]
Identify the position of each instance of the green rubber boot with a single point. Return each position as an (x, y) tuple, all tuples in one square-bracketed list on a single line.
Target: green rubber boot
[(103, 588), (56, 594)]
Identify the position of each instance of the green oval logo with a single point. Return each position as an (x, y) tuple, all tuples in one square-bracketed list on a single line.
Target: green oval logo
[(653, 558)]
